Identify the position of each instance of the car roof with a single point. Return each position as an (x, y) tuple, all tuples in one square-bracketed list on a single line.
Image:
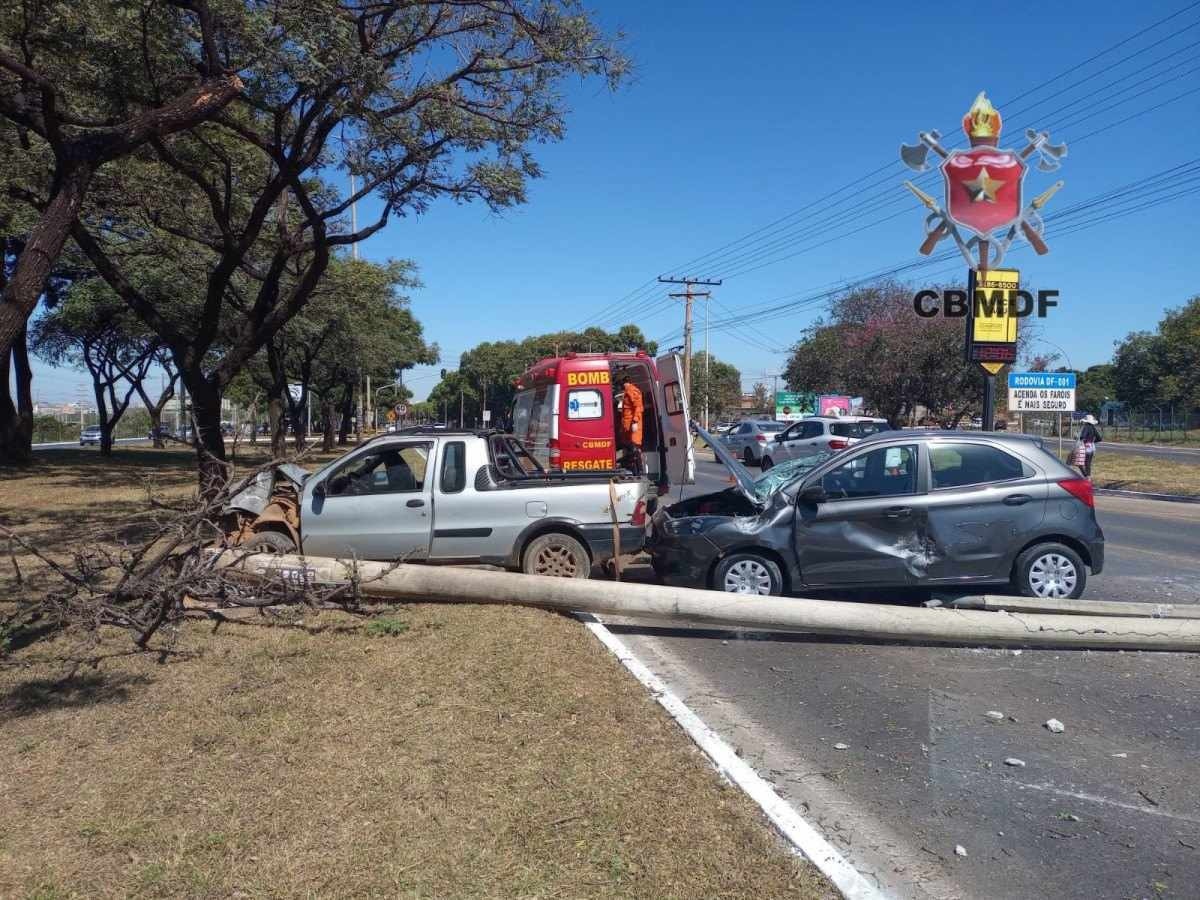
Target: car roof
[(942, 434), (843, 419)]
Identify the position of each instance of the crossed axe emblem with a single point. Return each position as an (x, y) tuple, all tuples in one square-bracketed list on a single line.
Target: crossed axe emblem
[(939, 225)]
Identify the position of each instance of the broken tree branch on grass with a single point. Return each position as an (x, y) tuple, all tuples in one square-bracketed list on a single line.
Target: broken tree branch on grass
[(148, 586)]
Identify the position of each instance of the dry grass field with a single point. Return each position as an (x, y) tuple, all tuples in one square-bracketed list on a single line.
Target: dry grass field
[(437, 751)]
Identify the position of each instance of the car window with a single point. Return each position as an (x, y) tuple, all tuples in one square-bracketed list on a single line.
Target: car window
[(745, 428), (770, 427), (673, 397), (454, 467), (885, 472), (870, 428), (395, 469), (585, 403), (813, 430), (958, 465), (844, 429)]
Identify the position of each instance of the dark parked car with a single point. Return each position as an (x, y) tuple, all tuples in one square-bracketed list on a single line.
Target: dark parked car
[(898, 509)]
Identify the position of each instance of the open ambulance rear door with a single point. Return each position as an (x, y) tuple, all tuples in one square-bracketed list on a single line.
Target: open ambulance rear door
[(673, 415)]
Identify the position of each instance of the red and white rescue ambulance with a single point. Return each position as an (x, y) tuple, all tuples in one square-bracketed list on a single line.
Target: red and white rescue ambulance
[(565, 414)]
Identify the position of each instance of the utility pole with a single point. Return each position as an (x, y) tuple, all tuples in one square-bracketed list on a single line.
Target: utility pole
[(688, 295), (707, 358)]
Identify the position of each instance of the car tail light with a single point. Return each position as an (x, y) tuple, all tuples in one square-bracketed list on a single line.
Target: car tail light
[(639, 514), (1080, 489), (761, 438), (837, 444), (555, 453)]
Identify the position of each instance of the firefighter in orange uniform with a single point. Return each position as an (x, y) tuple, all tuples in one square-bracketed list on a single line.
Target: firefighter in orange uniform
[(629, 435)]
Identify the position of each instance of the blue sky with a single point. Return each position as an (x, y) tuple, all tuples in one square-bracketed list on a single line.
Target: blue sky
[(741, 113)]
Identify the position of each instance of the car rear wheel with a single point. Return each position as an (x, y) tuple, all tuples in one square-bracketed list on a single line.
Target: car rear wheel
[(748, 457), (1050, 572), (766, 463), (269, 542), (748, 573), (557, 555)]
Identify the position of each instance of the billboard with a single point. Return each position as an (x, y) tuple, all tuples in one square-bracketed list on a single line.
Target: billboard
[(791, 406), (833, 405)]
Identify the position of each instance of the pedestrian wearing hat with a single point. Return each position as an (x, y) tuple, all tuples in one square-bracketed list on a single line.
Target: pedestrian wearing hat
[(1085, 446)]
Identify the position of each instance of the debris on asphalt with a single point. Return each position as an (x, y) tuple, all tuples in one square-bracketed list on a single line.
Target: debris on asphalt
[(1013, 761), (840, 746), (1120, 756), (960, 850), (1055, 726), (1068, 817), (995, 715)]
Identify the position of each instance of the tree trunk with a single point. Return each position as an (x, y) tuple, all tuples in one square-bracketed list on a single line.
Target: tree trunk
[(16, 421), (347, 415), (254, 421), (276, 419), (106, 423), (41, 251), (209, 442), (156, 426), (328, 435)]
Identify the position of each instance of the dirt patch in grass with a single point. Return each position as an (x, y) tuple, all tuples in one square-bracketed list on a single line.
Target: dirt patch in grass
[(451, 751)]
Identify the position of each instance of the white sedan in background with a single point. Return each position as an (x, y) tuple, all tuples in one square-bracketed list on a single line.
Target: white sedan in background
[(820, 433)]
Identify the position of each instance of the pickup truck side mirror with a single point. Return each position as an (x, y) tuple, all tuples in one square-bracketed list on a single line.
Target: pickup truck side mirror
[(813, 493)]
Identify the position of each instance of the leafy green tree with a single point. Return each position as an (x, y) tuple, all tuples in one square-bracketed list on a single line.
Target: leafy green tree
[(1179, 349), (1138, 368), (716, 387), (417, 100), (872, 344), (1093, 387), (81, 86), (93, 329)]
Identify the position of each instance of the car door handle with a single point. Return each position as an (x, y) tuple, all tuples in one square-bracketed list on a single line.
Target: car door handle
[(897, 512), (415, 503), (1016, 499)]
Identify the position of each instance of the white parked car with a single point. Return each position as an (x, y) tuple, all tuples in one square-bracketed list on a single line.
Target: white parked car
[(90, 435), (750, 438), (819, 433)]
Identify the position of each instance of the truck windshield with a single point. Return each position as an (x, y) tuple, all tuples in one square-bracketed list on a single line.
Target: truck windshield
[(533, 409)]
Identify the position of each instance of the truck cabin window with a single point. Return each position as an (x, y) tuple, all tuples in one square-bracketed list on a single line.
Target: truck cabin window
[(388, 470)]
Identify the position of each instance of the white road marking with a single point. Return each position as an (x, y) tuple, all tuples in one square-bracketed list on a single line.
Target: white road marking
[(805, 839)]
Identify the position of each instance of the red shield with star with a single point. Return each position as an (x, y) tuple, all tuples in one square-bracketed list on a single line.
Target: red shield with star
[(983, 188)]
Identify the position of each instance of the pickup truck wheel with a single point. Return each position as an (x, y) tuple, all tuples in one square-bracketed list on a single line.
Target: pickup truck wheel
[(557, 555), (269, 542)]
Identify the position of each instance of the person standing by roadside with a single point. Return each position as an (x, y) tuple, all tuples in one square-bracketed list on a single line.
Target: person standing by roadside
[(1085, 447)]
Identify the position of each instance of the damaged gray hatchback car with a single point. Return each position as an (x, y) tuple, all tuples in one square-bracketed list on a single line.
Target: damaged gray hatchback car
[(899, 509)]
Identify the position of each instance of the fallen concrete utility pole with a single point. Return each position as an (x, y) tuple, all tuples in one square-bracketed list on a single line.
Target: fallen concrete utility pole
[(414, 583), (1078, 607)]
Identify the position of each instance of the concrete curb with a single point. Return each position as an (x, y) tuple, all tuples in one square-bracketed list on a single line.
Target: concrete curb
[(1143, 495), (805, 839)]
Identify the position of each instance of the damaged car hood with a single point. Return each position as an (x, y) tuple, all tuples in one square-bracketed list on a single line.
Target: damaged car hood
[(745, 481), (255, 496)]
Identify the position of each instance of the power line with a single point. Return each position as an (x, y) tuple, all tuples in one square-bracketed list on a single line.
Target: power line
[(633, 296), (1140, 193)]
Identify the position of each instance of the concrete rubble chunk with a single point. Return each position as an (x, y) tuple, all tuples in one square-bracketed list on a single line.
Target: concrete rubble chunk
[(960, 850), (995, 715), (1055, 726), (840, 746), (1013, 761)]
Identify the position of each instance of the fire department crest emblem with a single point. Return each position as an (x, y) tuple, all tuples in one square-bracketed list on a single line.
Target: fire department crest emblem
[(983, 208)]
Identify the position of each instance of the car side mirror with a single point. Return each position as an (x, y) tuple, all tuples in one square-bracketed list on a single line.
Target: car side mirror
[(779, 438), (814, 493), (319, 490)]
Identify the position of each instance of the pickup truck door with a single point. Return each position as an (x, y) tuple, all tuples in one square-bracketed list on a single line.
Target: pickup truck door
[(674, 417), (374, 504)]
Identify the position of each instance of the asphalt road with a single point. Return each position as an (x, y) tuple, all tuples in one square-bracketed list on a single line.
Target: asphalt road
[(1105, 809)]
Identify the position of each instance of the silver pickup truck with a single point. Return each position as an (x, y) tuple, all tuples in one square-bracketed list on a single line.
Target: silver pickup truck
[(443, 496)]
